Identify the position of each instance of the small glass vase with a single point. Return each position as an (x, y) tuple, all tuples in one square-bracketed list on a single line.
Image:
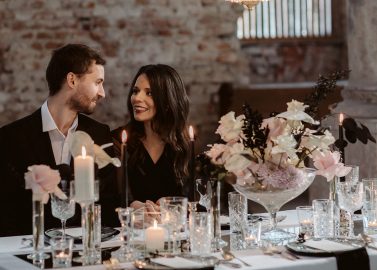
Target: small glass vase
[(38, 254), (89, 256)]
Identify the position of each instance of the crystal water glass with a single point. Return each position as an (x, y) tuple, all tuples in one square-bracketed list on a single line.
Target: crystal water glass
[(63, 209), (125, 253), (323, 218), (174, 216), (350, 199)]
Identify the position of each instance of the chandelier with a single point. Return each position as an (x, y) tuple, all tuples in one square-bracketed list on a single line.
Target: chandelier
[(249, 4)]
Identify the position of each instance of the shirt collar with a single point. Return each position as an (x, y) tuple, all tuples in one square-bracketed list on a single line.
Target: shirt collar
[(48, 123)]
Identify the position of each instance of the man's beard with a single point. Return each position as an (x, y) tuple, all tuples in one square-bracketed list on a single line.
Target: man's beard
[(83, 104)]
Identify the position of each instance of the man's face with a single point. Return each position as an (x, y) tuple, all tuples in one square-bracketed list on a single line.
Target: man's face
[(89, 90)]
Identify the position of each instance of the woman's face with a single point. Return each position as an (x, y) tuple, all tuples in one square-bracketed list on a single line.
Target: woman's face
[(142, 101)]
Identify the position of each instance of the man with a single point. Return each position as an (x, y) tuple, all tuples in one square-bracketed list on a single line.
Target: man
[(75, 76)]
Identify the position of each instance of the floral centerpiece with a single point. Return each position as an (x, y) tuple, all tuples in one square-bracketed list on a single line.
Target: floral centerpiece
[(270, 157)]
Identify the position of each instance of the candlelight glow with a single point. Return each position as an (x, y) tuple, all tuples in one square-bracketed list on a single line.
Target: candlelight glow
[(124, 136), (83, 152), (341, 118), (154, 223), (191, 133)]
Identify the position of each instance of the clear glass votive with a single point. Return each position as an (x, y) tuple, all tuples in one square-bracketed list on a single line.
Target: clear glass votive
[(61, 249), (252, 234), (148, 229), (305, 220), (201, 233), (323, 218), (369, 221)]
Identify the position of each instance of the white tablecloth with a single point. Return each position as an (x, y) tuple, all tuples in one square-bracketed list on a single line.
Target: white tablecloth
[(12, 245)]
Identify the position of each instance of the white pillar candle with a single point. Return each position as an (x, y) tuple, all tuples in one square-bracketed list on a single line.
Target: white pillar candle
[(154, 237), (84, 177)]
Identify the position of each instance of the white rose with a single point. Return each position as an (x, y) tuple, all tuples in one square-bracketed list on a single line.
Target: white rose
[(230, 128)]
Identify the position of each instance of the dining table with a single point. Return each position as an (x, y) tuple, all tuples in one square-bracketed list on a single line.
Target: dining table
[(12, 249)]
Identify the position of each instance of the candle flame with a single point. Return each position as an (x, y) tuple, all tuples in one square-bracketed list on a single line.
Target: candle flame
[(191, 133), (341, 118), (124, 136), (154, 223), (83, 151)]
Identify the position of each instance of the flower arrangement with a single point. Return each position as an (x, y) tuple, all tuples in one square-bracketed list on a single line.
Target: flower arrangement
[(42, 180), (270, 153)]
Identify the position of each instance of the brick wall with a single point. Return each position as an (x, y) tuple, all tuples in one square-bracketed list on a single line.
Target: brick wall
[(197, 37)]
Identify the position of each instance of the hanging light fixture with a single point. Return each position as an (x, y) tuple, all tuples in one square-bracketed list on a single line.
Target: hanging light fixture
[(249, 4)]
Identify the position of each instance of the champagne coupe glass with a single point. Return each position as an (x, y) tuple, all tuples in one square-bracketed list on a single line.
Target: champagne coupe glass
[(63, 209), (350, 197), (174, 216)]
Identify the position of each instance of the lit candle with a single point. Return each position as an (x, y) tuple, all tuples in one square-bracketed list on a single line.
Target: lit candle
[(124, 174), (192, 143), (306, 222), (341, 148), (84, 177), (372, 224), (61, 255), (154, 237)]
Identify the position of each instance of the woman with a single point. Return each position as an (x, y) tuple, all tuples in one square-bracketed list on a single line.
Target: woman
[(158, 144)]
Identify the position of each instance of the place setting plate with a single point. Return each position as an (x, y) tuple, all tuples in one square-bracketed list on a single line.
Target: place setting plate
[(324, 247), (107, 233)]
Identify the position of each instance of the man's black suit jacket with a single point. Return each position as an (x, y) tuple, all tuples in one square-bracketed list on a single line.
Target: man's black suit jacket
[(22, 144)]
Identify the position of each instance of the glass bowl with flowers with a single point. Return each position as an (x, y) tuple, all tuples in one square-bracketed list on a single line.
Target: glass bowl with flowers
[(270, 157)]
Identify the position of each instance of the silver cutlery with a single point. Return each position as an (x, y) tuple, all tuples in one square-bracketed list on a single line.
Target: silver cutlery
[(368, 241), (227, 255)]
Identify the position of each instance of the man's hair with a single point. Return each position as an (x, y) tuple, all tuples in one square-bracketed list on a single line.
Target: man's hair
[(76, 58)]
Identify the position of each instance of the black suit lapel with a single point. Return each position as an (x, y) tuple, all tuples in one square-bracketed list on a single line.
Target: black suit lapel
[(40, 141)]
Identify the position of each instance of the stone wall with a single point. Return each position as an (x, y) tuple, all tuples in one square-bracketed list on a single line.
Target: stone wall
[(197, 37)]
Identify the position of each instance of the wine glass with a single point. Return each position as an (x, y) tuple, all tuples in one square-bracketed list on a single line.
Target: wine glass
[(350, 199), (63, 209), (174, 216)]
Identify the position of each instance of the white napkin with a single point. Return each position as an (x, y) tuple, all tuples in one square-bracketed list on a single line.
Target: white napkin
[(328, 245), (177, 262)]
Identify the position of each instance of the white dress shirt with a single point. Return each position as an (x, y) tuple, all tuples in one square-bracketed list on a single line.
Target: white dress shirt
[(59, 141)]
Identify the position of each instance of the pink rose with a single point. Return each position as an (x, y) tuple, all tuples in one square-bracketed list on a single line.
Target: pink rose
[(216, 153), (42, 180), (275, 125), (328, 165)]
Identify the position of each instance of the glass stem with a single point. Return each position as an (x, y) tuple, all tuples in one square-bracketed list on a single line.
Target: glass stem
[(63, 227), (273, 221), (174, 240)]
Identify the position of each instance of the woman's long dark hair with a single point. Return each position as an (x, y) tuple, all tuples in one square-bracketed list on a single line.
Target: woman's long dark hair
[(170, 122)]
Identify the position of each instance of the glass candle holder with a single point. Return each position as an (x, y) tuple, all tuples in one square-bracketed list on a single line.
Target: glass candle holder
[(61, 249), (305, 219)]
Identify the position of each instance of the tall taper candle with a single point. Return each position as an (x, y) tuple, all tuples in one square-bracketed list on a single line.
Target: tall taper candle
[(124, 158), (192, 142), (341, 139)]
